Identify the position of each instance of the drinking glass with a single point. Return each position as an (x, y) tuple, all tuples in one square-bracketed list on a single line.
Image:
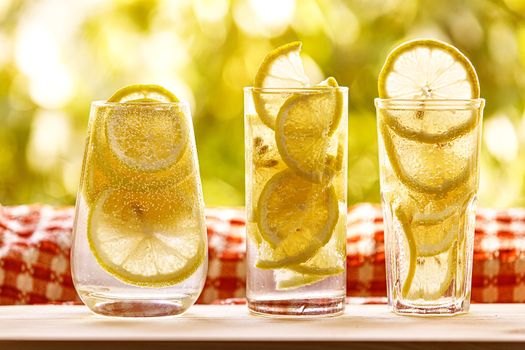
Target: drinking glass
[(429, 170), (139, 245), (296, 184)]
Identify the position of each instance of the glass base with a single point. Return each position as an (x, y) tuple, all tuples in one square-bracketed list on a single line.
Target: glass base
[(135, 307), (325, 307), (451, 309)]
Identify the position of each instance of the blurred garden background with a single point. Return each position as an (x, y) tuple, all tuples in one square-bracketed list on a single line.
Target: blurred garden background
[(57, 56)]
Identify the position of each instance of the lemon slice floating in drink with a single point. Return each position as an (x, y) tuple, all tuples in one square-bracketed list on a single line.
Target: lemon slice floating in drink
[(303, 131), (143, 150), (149, 142), (288, 279), (281, 69), (444, 171), (295, 218), (146, 239), (329, 260), (431, 279)]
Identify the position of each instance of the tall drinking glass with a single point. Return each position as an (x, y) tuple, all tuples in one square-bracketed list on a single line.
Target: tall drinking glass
[(296, 175), (429, 169), (139, 246)]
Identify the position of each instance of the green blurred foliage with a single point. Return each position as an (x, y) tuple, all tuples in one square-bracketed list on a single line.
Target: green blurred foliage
[(58, 56)]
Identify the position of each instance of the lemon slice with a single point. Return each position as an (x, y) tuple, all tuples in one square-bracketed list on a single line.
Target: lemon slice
[(433, 277), (281, 68), (263, 160), (295, 219), (143, 93), (443, 171), (432, 126), (432, 240), (427, 69), (404, 220), (142, 145), (287, 279), (152, 239), (433, 233), (146, 140), (440, 226), (303, 131), (330, 260), (430, 279)]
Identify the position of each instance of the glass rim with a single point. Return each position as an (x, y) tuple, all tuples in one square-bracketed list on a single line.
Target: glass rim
[(393, 103), (100, 103), (294, 89)]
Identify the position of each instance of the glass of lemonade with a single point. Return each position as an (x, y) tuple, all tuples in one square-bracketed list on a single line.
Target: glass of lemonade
[(429, 127), (139, 246), (296, 155)]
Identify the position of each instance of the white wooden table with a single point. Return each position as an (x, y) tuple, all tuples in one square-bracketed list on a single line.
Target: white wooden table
[(489, 326)]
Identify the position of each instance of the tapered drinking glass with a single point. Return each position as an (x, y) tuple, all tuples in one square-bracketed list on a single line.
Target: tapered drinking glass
[(139, 246)]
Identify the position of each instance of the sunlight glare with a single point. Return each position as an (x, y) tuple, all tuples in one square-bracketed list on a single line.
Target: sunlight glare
[(500, 138)]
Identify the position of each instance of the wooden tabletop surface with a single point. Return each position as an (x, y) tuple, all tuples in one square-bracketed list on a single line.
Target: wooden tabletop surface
[(487, 326)]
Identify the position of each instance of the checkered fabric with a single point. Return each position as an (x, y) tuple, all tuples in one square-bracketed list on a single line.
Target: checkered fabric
[(34, 255), (35, 243), (498, 274)]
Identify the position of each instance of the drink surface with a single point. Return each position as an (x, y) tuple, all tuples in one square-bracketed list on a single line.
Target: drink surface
[(140, 231)]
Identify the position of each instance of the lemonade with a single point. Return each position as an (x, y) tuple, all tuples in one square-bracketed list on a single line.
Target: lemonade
[(429, 125), (295, 142), (139, 244)]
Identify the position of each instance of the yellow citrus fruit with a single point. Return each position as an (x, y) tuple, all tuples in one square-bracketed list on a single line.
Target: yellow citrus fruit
[(282, 69), (288, 279), (429, 279), (303, 131), (141, 145), (432, 126), (146, 140), (151, 239), (443, 170), (295, 219), (143, 93), (427, 69)]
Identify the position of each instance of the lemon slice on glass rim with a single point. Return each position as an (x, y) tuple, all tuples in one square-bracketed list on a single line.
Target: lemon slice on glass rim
[(143, 93), (281, 69), (426, 70)]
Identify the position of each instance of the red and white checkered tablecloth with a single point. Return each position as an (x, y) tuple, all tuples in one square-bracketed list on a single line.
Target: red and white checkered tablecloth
[(35, 243)]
